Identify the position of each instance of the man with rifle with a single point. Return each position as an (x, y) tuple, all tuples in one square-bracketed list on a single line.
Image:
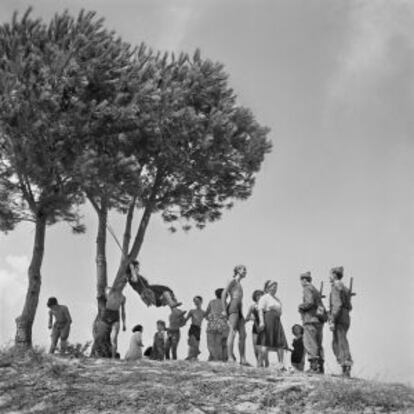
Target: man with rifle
[(313, 317), (339, 319)]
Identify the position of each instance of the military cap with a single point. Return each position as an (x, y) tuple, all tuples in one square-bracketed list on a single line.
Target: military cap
[(306, 275)]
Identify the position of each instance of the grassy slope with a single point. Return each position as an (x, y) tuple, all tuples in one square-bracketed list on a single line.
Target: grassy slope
[(37, 383)]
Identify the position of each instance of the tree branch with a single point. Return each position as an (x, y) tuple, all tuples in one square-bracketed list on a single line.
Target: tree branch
[(128, 226), (120, 280), (93, 202)]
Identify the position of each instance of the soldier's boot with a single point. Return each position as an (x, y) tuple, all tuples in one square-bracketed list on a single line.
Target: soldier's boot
[(346, 371)]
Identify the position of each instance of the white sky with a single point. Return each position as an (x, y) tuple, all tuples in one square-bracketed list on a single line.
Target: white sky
[(335, 82)]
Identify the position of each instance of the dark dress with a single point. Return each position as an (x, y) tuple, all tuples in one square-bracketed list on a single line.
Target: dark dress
[(273, 335), (298, 351), (256, 321)]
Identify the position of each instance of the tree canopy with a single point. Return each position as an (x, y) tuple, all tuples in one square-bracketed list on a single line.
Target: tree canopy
[(84, 115), (202, 149)]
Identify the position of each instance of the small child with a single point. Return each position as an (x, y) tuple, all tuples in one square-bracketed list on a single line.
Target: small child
[(297, 357), (160, 339), (61, 327), (148, 352), (135, 345), (253, 315), (194, 333), (177, 321)]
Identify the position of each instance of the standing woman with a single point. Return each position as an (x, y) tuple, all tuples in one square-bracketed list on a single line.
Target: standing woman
[(216, 328), (272, 336)]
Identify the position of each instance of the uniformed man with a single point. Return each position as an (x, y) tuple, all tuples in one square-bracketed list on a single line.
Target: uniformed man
[(312, 323), (339, 320)]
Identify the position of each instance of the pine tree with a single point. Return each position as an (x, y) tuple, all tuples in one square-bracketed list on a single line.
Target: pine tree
[(203, 150), (36, 151)]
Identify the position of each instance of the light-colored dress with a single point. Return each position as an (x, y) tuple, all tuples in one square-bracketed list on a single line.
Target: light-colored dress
[(135, 347), (273, 336)]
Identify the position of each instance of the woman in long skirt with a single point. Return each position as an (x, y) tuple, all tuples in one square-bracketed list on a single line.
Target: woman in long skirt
[(272, 336)]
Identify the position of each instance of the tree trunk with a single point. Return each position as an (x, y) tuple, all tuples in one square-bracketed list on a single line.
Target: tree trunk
[(101, 332), (120, 279), (24, 322), (101, 270)]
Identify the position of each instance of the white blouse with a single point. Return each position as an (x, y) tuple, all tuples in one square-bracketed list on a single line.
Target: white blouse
[(135, 347), (268, 302)]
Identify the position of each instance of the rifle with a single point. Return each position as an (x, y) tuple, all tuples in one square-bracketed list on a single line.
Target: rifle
[(321, 291), (321, 312), (351, 282)]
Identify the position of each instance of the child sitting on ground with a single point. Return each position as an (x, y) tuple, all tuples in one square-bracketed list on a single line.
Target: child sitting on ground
[(160, 339), (297, 357), (194, 333), (135, 344)]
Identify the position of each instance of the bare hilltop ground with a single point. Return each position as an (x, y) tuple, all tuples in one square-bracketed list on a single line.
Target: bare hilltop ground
[(38, 383)]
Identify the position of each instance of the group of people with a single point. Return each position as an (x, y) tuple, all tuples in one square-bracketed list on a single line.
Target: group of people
[(225, 320)]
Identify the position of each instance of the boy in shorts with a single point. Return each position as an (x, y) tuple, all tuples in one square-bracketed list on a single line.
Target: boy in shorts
[(61, 327), (194, 333)]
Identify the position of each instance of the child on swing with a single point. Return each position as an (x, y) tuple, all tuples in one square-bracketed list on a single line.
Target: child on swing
[(158, 295)]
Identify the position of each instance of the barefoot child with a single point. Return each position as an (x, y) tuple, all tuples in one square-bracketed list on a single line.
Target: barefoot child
[(160, 339), (253, 315), (176, 321), (61, 327), (194, 333)]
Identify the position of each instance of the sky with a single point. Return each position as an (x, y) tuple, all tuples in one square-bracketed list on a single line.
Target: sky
[(335, 83)]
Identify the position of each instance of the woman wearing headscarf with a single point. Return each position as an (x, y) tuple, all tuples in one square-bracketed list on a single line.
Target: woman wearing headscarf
[(272, 336)]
